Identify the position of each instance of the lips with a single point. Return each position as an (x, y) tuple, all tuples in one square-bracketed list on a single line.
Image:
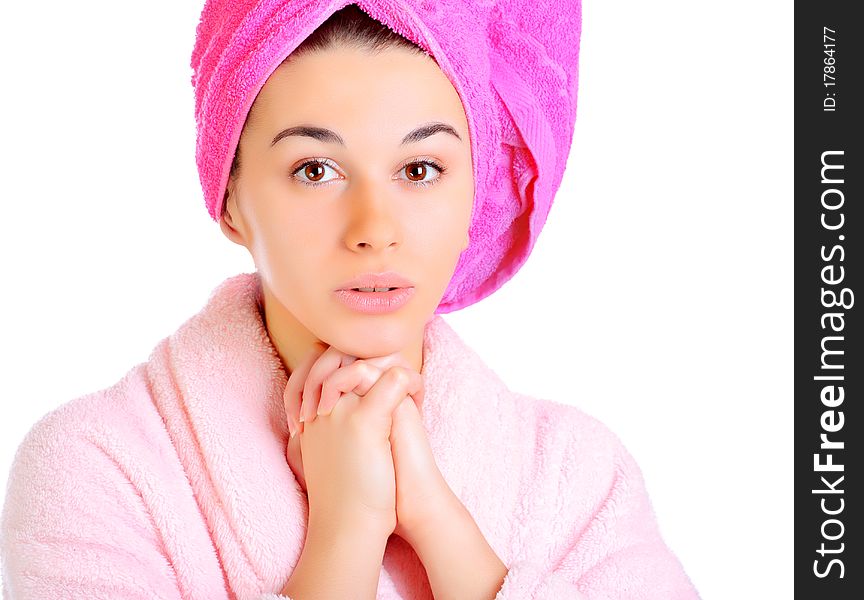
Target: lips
[(387, 280), (375, 303)]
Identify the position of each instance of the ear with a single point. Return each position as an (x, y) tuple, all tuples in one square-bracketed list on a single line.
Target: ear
[(232, 226)]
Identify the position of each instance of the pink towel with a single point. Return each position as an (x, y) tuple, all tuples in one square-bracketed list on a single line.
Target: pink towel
[(514, 64), (173, 483)]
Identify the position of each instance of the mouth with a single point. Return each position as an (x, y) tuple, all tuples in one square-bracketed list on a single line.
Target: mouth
[(377, 283), (375, 300)]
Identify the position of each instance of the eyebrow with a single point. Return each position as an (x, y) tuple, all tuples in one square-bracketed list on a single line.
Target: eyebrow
[(331, 137)]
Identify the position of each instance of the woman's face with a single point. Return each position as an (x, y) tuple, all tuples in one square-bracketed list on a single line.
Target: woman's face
[(373, 202)]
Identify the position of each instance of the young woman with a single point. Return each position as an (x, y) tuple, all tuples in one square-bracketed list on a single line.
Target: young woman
[(317, 430)]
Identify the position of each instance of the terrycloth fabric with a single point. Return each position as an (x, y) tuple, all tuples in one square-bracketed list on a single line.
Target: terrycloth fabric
[(514, 64), (173, 483)]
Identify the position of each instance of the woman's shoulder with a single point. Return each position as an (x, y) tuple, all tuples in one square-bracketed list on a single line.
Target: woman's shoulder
[(129, 393), (115, 432), (577, 448), (457, 370), (555, 421), (120, 414)]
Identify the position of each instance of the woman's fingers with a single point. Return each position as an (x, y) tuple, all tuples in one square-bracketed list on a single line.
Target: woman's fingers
[(390, 390), (397, 360), (343, 373), (358, 377), (292, 395), (330, 360)]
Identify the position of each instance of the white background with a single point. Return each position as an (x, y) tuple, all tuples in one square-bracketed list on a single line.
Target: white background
[(658, 298)]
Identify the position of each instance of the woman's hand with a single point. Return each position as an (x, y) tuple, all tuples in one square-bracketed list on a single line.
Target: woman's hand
[(420, 488), (422, 494), (347, 464)]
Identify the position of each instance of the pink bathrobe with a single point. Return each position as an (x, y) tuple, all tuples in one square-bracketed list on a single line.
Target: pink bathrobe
[(173, 483)]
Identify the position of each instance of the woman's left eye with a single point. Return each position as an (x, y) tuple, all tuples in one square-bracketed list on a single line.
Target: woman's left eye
[(420, 169)]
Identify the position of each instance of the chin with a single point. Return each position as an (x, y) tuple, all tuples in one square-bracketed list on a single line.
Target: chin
[(371, 339)]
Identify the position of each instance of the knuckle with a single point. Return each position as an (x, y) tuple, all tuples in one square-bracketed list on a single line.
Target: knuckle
[(399, 375), (365, 367), (367, 373)]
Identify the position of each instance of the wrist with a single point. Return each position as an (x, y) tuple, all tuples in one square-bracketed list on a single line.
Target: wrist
[(333, 528), (444, 509), (338, 560)]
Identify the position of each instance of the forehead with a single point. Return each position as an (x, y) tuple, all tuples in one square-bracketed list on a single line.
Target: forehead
[(346, 84)]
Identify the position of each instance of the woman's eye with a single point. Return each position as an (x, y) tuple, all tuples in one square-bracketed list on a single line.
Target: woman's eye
[(417, 172), (314, 171)]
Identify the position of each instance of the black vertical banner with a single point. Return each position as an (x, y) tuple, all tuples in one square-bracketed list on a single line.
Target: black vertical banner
[(829, 369)]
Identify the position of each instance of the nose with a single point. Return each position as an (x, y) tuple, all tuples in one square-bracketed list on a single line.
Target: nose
[(373, 221)]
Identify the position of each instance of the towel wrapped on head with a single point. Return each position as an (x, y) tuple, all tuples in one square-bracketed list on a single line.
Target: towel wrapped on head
[(514, 64)]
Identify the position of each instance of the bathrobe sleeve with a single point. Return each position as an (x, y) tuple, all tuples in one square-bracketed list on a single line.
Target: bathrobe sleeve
[(74, 526), (619, 554)]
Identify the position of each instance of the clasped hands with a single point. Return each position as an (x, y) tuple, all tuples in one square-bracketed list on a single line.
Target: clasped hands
[(362, 414)]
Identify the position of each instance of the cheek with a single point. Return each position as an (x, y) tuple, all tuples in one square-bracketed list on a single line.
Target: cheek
[(286, 252), (452, 224), (287, 227), (442, 241)]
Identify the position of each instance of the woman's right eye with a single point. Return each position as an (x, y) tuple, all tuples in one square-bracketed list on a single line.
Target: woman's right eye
[(313, 171)]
